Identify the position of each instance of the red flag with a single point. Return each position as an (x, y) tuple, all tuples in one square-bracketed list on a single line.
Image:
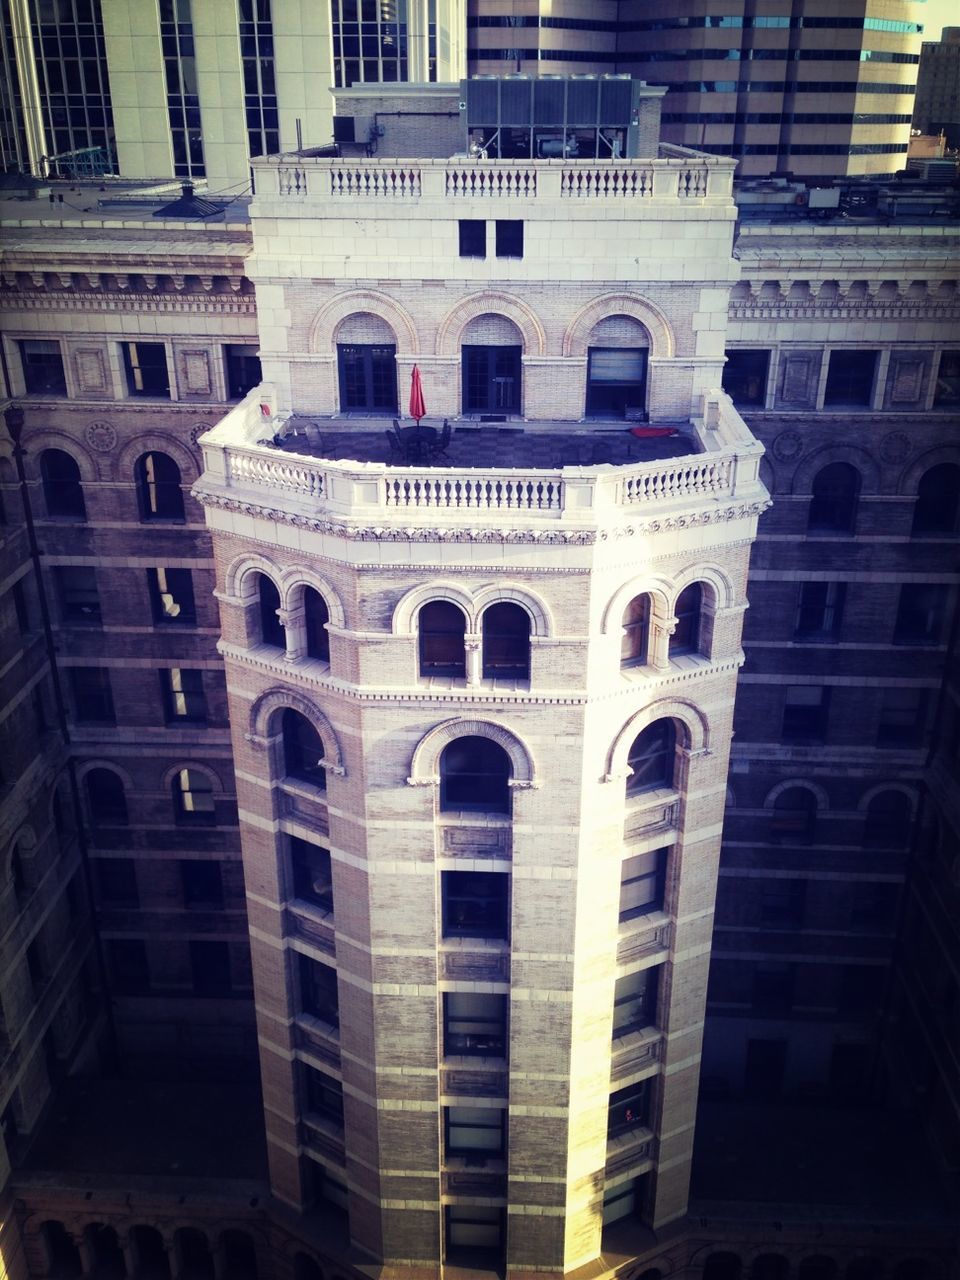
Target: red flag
[(418, 409)]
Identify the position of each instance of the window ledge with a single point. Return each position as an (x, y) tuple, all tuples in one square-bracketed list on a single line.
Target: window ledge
[(468, 818), (492, 1163), (303, 790), (318, 914), (492, 946), (316, 1026), (641, 923)]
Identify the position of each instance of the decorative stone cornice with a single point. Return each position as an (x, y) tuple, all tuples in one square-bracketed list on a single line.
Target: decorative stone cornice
[(157, 303)]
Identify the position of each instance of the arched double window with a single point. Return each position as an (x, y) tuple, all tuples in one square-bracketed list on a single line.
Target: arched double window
[(937, 509), (271, 628), (651, 758), (687, 610), (794, 816), (474, 776), (302, 750), (635, 641), (158, 487), (506, 642), (106, 798), (836, 493), (442, 627), (316, 615), (62, 487)]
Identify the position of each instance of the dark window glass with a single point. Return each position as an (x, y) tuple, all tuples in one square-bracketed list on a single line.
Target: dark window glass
[(491, 379), (158, 487), (850, 377), (442, 627), (315, 617), (651, 758), (773, 988), (128, 965), (476, 904), (886, 824), (510, 238), (833, 507), (920, 613), (745, 377), (475, 1130), (20, 607), (474, 1024), (794, 816), (318, 991), (642, 883), (902, 718), (145, 364), (271, 628), (629, 1108), (686, 634), (183, 695), (616, 382), (312, 874), (92, 695), (106, 798), (201, 882), (636, 632), (193, 797), (475, 1233), (368, 377), (78, 594), (473, 238), (323, 1095), (117, 881), (171, 596), (302, 750), (62, 488), (819, 611), (210, 968), (243, 370), (947, 388), (635, 1001), (938, 501), (805, 711), (506, 642), (43, 373), (474, 776)]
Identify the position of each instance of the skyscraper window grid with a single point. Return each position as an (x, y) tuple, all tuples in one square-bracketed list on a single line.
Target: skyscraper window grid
[(183, 101), (259, 77)]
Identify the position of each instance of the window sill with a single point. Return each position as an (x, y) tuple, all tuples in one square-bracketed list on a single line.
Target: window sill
[(459, 942), (301, 790), (492, 1161)]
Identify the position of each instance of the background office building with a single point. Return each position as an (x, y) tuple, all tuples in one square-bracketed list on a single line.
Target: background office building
[(937, 108)]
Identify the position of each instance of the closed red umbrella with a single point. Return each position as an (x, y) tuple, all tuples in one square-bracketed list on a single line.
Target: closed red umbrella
[(418, 409)]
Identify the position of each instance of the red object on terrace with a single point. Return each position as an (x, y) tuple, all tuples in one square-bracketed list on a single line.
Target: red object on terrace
[(653, 433), (418, 408)]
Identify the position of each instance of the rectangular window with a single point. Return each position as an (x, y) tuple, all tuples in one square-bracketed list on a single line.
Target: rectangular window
[(210, 968), (635, 1001), (202, 883), (20, 608), (474, 1130), (77, 593), (629, 1108), (805, 713), (782, 903), (323, 1096), (117, 881), (145, 364), (920, 614), (312, 875), (243, 370), (473, 238), (642, 882), (171, 596), (947, 387), (474, 1024), (92, 695), (850, 377), (626, 1200), (183, 696), (476, 904), (472, 1231), (745, 377), (509, 238), (819, 611), (43, 373), (773, 986), (128, 965), (318, 991), (902, 721)]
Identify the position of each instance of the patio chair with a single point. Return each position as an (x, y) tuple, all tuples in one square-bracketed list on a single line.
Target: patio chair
[(396, 447), (443, 441)]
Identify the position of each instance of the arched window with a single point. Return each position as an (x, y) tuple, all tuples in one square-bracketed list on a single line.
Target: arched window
[(106, 798), (474, 773), (938, 501), (302, 750), (316, 615), (794, 816), (722, 1266), (442, 627), (686, 636), (651, 758), (271, 628), (770, 1266), (833, 507), (193, 797), (634, 645), (886, 824), (817, 1267), (158, 487), (506, 642), (62, 488)]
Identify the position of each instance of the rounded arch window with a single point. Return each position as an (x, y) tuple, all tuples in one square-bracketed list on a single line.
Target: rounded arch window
[(686, 635), (474, 776), (836, 492), (159, 489), (635, 639), (271, 628), (723, 1266), (506, 642), (651, 758), (106, 798), (442, 627), (62, 487), (302, 750), (937, 509), (794, 816), (193, 796), (316, 615), (817, 1267), (886, 823)]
